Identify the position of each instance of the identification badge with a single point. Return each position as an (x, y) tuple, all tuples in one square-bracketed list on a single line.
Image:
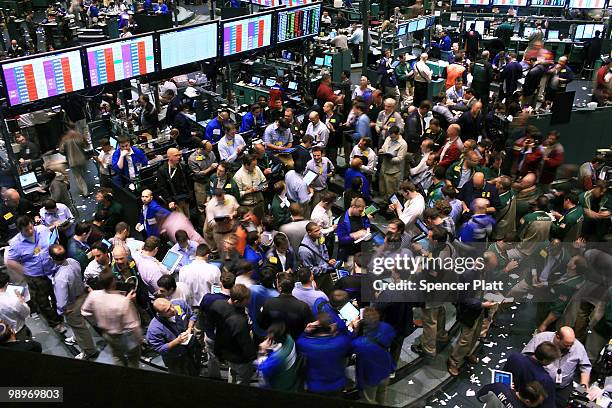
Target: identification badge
[(558, 378), (36, 250), (178, 309), (132, 264), (457, 168), (278, 143), (321, 170), (228, 185), (216, 131), (199, 158), (332, 120), (392, 120), (230, 143), (8, 216), (543, 253), (366, 153), (273, 260)]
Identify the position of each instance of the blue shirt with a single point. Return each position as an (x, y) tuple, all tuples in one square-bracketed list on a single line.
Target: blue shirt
[(325, 361), (525, 369), (297, 190), (344, 229), (188, 253), (256, 259), (139, 159), (445, 44), (148, 218), (214, 131), (67, 284), (32, 252), (362, 128), (259, 295), (374, 363), (348, 179), (158, 335), (477, 228), (250, 121), (307, 295), (272, 135)]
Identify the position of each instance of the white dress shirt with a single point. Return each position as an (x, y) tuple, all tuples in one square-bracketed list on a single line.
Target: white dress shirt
[(199, 276)]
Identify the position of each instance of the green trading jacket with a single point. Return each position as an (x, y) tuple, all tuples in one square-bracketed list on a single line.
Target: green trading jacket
[(435, 193), (281, 214), (453, 173), (560, 228)]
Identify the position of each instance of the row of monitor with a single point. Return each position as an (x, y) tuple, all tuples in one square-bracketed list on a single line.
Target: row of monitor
[(415, 25), (577, 4), (277, 3), (37, 77)]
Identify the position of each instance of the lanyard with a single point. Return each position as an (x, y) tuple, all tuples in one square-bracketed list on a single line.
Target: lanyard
[(172, 172)]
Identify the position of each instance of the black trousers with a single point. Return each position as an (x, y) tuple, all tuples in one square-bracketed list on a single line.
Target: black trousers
[(420, 92), (43, 298)]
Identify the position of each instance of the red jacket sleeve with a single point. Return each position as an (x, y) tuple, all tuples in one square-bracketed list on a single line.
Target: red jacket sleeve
[(452, 155)]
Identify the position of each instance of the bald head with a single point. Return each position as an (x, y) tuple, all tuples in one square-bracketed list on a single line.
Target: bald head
[(11, 198), (453, 131), (565, 339), (478, 179), (174, 155), (146, 196), (163, 307), (356, 163), (314, 117)]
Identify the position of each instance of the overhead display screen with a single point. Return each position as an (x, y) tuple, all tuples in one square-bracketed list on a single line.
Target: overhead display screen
[(266, 3), (120, 60), (188, 45), (472, 2), (547, 3), (412, 26), (513, 3), (43, 77), (298, 23), (291, 3), (246, 34), (587, 4)]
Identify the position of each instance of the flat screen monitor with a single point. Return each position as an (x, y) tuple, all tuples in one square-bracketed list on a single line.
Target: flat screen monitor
[(412, 26), (292, 86), (119, 60), (401, 30), (548, 3), (265, 3), (431, 21), (270, 82), (188, 45), (291, 3), (552, 35), (28, 180), (421, 24), (246, 34), (527, 31), (319, 61), (32, 79), (256, 80), (472, 2), (328, 61), (587, 4), (479, 26), (586, 31), (299, 22), (509, 3)]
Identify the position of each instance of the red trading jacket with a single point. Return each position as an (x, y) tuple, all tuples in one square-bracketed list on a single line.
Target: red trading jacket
[(452, 155), (555, 159)]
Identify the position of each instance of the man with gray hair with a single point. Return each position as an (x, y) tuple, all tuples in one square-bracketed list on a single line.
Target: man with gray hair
[(387, 118)]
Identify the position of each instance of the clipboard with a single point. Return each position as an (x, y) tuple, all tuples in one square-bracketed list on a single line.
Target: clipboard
[(310, 177)]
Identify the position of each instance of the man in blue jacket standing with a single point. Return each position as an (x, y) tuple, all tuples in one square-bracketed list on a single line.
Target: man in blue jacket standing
[(150, 214), (353, 228), (374, 362), (215, 129), (325, 350), (127, 160), (170, 334), (251, 120)]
